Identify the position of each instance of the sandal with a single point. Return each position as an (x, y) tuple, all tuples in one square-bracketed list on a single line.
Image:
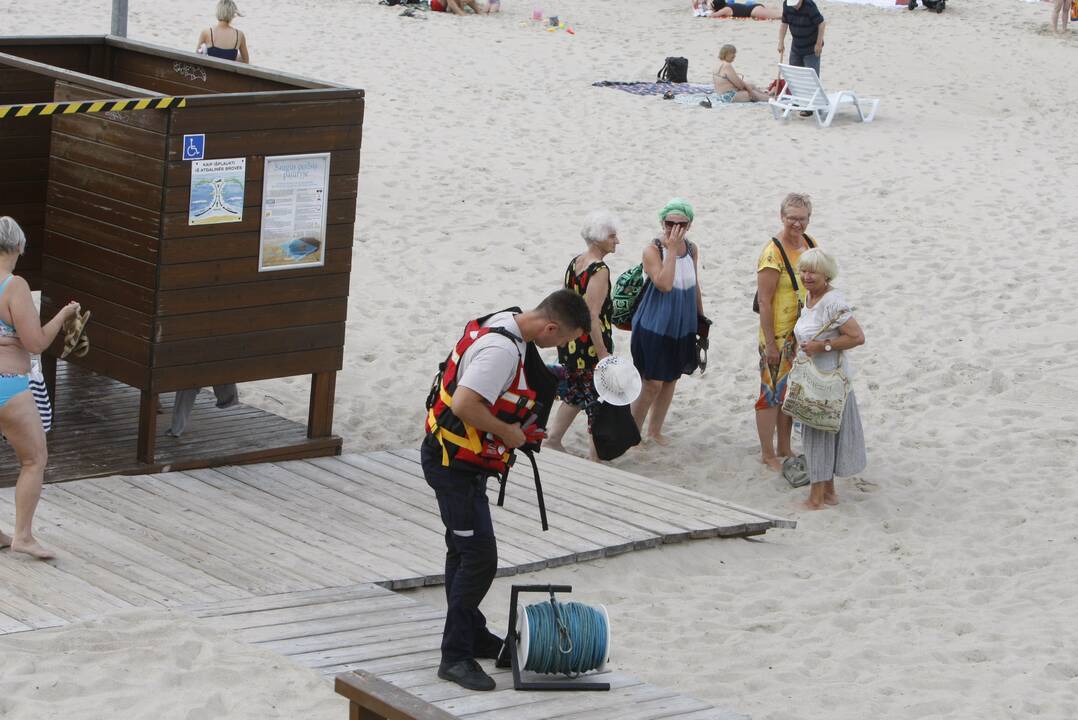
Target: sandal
[(795, 472), (76, 341)]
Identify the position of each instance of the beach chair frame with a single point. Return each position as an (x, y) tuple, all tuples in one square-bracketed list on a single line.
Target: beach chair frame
[(804, 91)]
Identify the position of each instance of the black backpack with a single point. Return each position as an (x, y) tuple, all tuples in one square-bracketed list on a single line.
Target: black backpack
[(675, 70)]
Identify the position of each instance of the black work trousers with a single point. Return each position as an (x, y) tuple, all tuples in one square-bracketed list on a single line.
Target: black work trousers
[(471, 552)]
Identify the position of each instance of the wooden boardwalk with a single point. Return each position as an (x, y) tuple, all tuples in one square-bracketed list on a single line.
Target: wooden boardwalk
[(301, 556), (367, 627), (96, 430)]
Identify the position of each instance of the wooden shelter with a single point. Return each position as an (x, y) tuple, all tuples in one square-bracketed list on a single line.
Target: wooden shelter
[(104, 193)]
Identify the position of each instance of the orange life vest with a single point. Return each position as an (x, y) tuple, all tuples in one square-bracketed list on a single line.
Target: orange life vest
[(463, 446)]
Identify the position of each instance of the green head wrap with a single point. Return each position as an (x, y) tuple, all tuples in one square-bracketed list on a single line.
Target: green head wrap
[(677, 206)]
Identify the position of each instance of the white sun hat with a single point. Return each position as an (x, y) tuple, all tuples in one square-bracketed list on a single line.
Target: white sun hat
[(616, 380)]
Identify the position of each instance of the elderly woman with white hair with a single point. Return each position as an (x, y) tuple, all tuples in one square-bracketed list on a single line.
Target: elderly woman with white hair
[(228, 43), (825, 330), (587, 275), (21, 333)]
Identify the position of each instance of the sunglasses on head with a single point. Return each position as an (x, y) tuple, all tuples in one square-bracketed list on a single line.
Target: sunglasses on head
[(672, 224)]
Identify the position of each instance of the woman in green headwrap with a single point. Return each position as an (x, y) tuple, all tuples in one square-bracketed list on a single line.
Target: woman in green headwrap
[(664, 326)]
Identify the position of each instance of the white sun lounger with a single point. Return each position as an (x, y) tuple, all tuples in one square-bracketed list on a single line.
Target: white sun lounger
[(804, 91)]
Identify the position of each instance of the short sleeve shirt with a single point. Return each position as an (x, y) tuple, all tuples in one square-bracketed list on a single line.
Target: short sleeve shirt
[(804, 23), (785, 303), (832, 309), (490, 364)]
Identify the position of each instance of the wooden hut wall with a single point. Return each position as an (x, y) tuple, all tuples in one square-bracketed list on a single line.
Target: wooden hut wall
[(187, 76), (102, 227), (24, 163), (219, 319)]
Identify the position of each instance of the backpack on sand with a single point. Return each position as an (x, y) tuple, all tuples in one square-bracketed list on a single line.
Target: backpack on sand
[(675, 70)]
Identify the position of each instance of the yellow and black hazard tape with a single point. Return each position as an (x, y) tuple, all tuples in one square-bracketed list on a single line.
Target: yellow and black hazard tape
[(90, 106)]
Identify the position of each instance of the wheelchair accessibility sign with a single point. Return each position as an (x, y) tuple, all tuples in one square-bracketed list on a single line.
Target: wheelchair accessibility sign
[(194, 147)]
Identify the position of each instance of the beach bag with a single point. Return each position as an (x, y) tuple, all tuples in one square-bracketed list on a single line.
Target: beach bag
[(613, 430), (625, 296), (815, 397), (675, 70), (789, 271)]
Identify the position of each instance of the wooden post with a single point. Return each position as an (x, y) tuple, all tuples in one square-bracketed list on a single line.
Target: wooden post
[(48, 369), (320, 413), (147, 426), (119, 17)]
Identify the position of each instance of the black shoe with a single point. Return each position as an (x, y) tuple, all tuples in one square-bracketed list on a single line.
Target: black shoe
[(489, 648), (467, 674), (806, 113)]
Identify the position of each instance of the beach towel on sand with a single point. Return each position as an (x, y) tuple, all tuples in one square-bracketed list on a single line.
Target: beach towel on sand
[(653, 88)]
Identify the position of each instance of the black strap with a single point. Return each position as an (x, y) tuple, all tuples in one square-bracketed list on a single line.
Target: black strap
[(786, 260), (538, 488)]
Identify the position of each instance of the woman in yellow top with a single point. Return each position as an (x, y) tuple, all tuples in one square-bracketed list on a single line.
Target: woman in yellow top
[(781, 298)]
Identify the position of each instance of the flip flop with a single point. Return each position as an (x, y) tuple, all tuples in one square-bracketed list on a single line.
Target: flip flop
[(75, 339), (795, 472)]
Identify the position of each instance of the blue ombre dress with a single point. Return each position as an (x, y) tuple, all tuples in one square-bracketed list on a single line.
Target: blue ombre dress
[(664, 326)]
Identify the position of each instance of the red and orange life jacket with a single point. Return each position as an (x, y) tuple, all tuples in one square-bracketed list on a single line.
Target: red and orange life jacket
[(463, 446)]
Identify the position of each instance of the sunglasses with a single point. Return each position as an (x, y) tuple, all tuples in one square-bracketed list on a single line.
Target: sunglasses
[(798, 220), (670, 224)]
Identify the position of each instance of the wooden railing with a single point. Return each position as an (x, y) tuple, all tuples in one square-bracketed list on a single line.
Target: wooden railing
[(373, 699)]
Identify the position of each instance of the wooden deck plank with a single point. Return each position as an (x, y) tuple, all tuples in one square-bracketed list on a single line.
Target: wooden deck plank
[(688, 498), (418, 530), (399, 543), (305, 507), (250, 605), (11, 625), (645, 516), (184, 542), (259, 537), (129, 545), (420, 500), (574, 537)]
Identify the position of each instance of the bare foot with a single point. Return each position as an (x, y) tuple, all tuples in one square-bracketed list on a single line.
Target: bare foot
[(773, 462), (5, 541), (660, 439), (32, 548), (830, 499), (809, 505)]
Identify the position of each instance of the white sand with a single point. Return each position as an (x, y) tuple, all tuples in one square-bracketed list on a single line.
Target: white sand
[(151, 664), (943, 586)]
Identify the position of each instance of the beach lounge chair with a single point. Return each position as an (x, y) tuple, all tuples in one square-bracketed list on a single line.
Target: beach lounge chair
[(804, 91)]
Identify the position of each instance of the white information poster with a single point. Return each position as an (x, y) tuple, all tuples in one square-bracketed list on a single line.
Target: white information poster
[(217, 191), (295, 192)]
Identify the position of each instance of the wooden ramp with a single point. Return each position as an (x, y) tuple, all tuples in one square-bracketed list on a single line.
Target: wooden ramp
[(96, 431), (365, 627), (241, 532)]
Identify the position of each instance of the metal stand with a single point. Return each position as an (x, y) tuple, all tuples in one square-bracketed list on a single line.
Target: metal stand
[(508, 656)]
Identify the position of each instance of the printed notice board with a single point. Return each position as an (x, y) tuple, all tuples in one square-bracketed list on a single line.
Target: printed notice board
[(217, 191), (295, 194)]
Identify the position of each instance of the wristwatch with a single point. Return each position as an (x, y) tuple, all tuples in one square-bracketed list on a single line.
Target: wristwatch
[(827, 346)]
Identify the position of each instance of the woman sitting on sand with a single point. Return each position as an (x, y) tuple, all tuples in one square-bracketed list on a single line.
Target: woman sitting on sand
[(21, 333), (829, 454), (730, 86), (224, 41), (725, 9), (664, 326), (589, 276)]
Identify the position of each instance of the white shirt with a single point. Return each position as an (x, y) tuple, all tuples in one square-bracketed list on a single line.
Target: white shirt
[(490, 364), (831, 306)]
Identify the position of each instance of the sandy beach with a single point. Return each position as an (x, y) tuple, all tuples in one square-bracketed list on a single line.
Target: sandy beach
[(943, 584)]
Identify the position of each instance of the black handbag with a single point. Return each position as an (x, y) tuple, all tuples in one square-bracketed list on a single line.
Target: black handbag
[(675, 70), (613, 430)]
